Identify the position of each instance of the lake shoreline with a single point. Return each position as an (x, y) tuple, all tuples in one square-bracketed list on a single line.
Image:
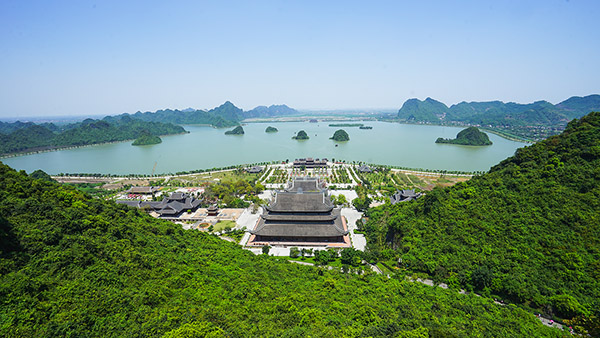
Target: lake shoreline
[(49, 149), (205, 147)]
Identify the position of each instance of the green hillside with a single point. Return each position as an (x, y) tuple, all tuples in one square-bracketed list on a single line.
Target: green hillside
[(428, 110), (75, 266), (527, 231), (536, 120), (89, 131)]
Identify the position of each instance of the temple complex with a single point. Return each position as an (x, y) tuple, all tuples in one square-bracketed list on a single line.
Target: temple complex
[(301, 215)]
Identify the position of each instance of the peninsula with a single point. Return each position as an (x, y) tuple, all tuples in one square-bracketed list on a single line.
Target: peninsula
[(146, 139), (468, 137)]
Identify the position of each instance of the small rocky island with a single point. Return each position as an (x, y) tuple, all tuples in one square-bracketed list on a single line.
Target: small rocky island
[(236, 131), (340, 135), (301, 135), (146, 139), (271, 130), (365, 127), (468, 137)]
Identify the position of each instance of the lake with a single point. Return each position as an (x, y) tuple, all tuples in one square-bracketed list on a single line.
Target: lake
[(204, 147)]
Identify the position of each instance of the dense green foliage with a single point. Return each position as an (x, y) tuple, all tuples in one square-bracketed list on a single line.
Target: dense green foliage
[(89, 131), (340, 135), (468, 137), (271, 130), (9, 127), (146, 139), (235, 131), (81, 267), (428, 110), (301, 135), (578, 106), (41, 175), (529, 230)]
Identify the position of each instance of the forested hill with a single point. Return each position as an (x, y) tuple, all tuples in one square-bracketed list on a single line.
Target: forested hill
[(527, 231), (110, 129), (75, 266), (500, 114)]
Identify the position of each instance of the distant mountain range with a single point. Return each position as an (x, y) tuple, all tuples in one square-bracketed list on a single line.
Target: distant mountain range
[(28, 136), (498, 113), (271, 111), (225, 115)]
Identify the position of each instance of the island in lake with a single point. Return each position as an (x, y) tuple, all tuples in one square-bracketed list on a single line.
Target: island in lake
[(468, 137), (146, 139), (346, 125), (365, 127), (301, 135), (271, 130), (236, 131), (340, 135)]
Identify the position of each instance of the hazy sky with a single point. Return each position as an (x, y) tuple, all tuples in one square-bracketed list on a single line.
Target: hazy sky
[(109, 57)]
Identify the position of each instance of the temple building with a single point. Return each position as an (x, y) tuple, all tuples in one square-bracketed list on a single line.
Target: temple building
[(170, 207), (300, 215), (310, 163), (404, 195)]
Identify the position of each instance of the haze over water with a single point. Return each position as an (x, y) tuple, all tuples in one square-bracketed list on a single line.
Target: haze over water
[(403, 145)]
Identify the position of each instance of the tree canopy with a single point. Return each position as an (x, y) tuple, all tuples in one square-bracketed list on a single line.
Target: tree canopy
[(301, 135), (340, 135), (528, 231), (71, 265)]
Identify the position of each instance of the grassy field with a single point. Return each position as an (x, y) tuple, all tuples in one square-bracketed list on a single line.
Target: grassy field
[(221, 225), (204, 178)]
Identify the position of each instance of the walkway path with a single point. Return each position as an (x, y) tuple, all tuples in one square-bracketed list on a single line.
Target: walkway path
[(359, 242)]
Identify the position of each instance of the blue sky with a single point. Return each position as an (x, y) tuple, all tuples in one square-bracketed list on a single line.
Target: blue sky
[(110, 57)]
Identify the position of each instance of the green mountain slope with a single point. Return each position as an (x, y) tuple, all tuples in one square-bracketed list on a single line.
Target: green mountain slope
[(578, 106), (529, 230), (428, 110), (535, 120), (89, 131), (75, 266)]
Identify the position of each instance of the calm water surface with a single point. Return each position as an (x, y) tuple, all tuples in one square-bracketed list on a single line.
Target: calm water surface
[(205, 147)]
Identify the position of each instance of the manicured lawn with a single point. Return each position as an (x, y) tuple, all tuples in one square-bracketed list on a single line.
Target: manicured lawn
[(221, 225)]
